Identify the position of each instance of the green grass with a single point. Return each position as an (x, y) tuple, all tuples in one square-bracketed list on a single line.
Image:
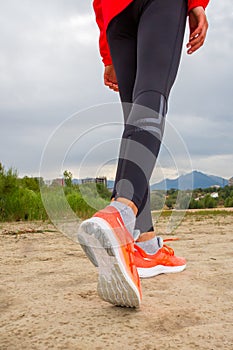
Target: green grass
[(217, 212), (21, 199), (201, 212)]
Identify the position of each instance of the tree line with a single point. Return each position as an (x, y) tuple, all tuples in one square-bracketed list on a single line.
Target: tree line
[(199, 198), (20, 198)]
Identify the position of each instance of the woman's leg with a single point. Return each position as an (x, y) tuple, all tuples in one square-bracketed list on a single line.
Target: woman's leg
[(159, 28), (126, 68)]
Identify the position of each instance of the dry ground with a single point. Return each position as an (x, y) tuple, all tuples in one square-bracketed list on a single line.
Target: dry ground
[(48, 296)]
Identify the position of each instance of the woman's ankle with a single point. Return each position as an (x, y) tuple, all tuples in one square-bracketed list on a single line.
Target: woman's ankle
[(129, 203)]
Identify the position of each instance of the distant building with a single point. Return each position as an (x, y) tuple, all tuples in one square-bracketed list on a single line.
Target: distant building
[(230, 182), (97, 180), (58, 182), (101, 180), (215, 186), (88, 180), (214, 195)]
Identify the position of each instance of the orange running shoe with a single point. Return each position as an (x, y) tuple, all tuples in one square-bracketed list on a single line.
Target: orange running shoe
[(163, 261), (110, 246)]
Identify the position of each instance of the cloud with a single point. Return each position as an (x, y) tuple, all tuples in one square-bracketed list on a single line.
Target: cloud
[(45, 52), (50, 68)]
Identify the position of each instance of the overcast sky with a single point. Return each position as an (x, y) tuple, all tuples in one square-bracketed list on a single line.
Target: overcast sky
[(50, 69)]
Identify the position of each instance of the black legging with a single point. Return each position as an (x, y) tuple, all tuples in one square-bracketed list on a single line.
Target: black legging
[(145, 41)]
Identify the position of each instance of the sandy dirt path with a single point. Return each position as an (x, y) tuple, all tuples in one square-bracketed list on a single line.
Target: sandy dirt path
[(48, 296)]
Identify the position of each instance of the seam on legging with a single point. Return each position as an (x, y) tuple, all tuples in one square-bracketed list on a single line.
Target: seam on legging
[(150, 121), (142, 92), (173, 51)]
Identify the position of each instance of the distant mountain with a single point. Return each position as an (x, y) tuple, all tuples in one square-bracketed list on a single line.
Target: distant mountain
[(220, 180), (110, 184), (76, 181), (195, 179)]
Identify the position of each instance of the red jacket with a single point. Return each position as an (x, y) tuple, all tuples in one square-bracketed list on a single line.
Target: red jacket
[(105, 10)]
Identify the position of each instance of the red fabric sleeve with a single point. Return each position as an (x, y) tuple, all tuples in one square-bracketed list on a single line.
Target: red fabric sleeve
[(195, 3), (103, 44)]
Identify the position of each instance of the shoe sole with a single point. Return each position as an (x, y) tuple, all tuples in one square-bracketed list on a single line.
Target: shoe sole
[(158, 270), (101, 246), (142, 272)]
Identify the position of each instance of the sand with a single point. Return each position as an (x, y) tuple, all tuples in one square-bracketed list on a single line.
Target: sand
[(48, 296)]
